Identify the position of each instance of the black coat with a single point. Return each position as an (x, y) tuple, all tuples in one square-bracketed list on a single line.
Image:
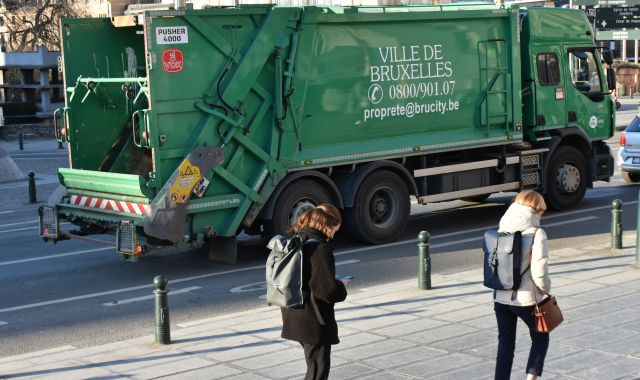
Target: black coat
[(302, 324)]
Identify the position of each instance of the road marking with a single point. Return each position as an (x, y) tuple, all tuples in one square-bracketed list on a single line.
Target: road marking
[(414, 241), (124, 290), (477, 238), (27, 228), (55, 256), (144, 298), (261, 267), (21, 154), (345, 262), (262, 285), (19, 229), (7, 212), (3, 323), (15, 224)]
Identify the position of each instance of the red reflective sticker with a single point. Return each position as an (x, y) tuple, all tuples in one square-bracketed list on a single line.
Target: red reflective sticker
[(172, 60)]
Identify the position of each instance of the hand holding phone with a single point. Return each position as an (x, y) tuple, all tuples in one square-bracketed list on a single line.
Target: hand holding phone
[(346, 280)]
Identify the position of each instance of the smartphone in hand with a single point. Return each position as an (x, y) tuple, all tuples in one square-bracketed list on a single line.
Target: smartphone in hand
[(347, 277)]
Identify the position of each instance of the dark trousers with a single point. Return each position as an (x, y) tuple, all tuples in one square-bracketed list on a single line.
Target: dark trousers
[(507, 317), (318, 359)]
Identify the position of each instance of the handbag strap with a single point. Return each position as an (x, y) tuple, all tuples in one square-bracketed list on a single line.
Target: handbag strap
[(535, 297), (316, 309)]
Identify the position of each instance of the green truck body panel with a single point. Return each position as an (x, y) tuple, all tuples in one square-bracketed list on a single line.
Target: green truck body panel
[(286, 89)]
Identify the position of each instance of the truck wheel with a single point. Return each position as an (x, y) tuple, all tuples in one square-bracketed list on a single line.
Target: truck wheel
[(381, 209), (297, 198), (631, 177), (566, 178)]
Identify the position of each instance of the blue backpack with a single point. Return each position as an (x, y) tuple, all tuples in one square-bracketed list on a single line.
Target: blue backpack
[(502, 260)]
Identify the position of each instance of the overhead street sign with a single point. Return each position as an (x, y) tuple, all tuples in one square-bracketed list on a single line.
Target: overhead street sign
[(617, 17), (607, 3), (604, 35)]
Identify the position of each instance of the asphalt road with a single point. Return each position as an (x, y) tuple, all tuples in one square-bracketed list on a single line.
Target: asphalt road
[(83, 294)]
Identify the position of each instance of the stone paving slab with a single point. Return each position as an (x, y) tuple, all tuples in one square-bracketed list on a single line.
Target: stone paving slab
[(218, 371), (374, 349)]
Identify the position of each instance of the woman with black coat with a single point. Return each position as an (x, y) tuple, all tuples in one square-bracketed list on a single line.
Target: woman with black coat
[(316, 333)]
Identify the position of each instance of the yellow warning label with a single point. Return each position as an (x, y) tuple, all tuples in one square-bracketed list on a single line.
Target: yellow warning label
[(188, 177)]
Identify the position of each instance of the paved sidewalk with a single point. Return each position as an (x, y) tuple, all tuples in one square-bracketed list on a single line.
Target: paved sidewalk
[(44, 158), (392, 332)]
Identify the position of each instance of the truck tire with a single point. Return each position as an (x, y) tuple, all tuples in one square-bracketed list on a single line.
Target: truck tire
[(298, 197), (566, 178), (381, 209), (631, 177)]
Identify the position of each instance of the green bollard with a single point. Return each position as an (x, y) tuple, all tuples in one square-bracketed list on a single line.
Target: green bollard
[(20, 141), (424, 261), (616, 224), (32, 186), (163, 333)]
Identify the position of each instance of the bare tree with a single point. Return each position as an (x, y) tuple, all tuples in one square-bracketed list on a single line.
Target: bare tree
[(31, 23)]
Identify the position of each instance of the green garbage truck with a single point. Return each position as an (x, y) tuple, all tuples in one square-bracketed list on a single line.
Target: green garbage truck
[(188, 127)]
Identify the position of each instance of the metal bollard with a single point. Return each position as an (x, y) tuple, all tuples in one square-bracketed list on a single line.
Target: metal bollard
[(424, 261), (616, 224), (163, 333), (20, 141), (32, 186)]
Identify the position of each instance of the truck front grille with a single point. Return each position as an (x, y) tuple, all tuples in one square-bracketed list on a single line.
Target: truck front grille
[(530, 180), (530, 160)]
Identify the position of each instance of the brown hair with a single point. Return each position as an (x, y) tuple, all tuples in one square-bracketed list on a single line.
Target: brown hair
[(532, 199), (324, 218)]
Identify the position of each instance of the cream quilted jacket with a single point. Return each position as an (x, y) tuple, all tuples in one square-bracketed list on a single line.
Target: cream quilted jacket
[(522, 218)]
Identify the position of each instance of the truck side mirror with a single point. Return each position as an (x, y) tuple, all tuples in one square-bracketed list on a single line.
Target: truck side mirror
[(611, 79), (607, 55)]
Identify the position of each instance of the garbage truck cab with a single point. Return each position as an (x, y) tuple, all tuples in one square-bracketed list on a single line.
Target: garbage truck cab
[(186, 127)]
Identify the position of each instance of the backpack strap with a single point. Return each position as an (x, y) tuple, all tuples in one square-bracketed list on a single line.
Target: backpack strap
[(514, 294), (311, 296)]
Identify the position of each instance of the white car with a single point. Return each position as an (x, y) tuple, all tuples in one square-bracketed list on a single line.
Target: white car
[(629, 152)]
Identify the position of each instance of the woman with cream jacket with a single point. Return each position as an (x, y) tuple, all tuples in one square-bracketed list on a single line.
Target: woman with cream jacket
[(524, 215)]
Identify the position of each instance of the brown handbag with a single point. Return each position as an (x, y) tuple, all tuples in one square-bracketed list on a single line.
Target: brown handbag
[(548, 314)]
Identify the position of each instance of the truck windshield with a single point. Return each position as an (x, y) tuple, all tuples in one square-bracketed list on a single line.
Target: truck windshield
[(584, 73)]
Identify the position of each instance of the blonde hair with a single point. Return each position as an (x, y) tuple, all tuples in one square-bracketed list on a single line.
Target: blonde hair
[(532, 199), (324, 218)]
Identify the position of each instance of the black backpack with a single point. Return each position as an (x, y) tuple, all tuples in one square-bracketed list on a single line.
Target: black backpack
[(502, 260), (284, 273)]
